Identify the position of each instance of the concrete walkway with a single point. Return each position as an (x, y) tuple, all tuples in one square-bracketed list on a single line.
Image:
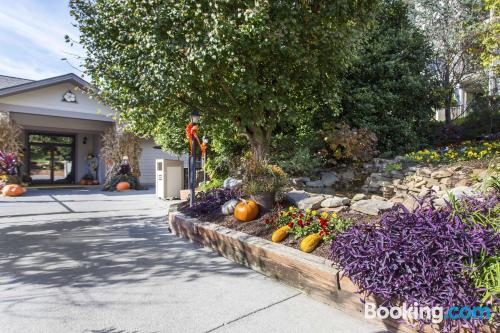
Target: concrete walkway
[(89, 261)]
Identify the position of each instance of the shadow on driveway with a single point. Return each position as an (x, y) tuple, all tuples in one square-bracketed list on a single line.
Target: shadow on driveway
[(100, 251)]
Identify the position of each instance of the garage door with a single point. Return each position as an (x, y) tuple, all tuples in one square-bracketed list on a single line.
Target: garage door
[(147, 161)]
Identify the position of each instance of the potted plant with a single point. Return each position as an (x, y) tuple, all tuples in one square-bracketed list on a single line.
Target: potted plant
[(263, 182)]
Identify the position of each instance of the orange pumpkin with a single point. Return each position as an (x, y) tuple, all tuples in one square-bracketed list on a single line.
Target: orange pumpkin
[(122, 186), (83, 182), (246, 210), (13, 190)]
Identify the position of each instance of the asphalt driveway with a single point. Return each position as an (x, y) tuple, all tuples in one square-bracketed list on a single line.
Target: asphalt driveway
[(79, 260)]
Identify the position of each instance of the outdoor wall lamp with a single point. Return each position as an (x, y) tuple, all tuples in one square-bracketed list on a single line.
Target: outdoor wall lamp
[(84, 140), (194, 116)]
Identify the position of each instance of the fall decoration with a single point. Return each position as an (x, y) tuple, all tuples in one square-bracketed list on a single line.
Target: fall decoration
[(246, 210), (122, 186)]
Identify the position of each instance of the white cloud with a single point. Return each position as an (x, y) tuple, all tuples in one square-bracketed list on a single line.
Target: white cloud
[(32, 38), (27, 70)]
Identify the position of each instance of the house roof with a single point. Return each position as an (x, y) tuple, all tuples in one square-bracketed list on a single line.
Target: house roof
[(10, 81), (22, 85)]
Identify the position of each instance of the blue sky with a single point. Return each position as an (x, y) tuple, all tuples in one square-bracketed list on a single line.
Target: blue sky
[(32, 38)]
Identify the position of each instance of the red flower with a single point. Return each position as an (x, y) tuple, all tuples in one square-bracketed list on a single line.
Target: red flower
[(301, 215), (294, 215), (300, 223), (290, 224)]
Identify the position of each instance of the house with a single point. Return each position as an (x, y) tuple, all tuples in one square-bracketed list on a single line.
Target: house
[(62, 127)]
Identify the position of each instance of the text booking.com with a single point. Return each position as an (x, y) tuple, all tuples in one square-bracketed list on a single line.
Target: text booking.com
[(434, 314)]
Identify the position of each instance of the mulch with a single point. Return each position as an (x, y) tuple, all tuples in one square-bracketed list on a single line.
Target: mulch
[(260, 228)]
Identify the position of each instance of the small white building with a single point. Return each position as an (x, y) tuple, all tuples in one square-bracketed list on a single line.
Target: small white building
[(62, 126)]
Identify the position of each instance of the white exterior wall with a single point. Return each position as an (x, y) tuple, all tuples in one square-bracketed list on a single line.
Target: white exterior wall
[(51, 98), (147, 161)]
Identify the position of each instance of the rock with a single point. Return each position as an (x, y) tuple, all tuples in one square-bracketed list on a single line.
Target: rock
[(423, 192), (232, 183), (377, 197), (334, 209), (294, 196), (300, 180), (228, 207), (448, 182), (372, 207), (329, 178), (436, 188), (335, 202), (424, 172), (315, 183), (441, 174), (479, 174), (463, 183), (406, 200), (347, 175), (311, 202), (359, 196), (459, 192), (420, 184)]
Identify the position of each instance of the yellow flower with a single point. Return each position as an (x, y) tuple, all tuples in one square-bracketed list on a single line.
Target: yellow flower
[(314, 212), (290, 208), (334, 215), (324, 215), (308, 210)]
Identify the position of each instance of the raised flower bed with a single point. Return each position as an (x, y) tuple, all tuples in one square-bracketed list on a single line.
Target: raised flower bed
[(455, 253)]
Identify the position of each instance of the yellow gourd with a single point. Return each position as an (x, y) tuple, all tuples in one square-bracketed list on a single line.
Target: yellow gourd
[(280, 234), (309, 243)]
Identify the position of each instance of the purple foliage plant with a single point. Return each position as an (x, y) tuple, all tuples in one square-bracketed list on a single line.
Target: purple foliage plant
[(8, 163), (420, 256), (209, 202)]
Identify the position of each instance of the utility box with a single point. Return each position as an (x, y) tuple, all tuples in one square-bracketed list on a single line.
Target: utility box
[(169, 178)]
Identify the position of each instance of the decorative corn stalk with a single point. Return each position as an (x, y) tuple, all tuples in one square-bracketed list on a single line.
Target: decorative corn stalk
[(116, 145)]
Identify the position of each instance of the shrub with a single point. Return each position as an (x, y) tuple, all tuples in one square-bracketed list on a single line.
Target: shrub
[(344, 143), (8, 163), (303, 223), (393, 167), (260, 177), (421, 256), (132, 180), (211, 184), (298, 161), (210, 202)]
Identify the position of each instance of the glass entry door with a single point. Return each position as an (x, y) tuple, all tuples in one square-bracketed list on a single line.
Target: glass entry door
[(51, 158)]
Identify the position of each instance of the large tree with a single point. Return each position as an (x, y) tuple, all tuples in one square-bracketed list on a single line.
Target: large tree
[(389, 87), (452, 28), (245, 64)]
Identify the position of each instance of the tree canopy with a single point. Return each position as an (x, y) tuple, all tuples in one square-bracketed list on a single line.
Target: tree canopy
[(244, 65)]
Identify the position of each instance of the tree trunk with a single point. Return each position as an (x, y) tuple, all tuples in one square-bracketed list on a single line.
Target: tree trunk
[(260, 141), (447, 108)]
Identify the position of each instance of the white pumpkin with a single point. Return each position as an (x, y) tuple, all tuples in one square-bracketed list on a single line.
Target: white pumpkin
[(228, 207)]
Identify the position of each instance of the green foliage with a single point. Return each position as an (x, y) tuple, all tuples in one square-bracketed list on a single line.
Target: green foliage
[(344, 143), (491, 30), (388, 89), (211, 184), (393, 167), (485, 275), (299, 161), (245, 63)]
